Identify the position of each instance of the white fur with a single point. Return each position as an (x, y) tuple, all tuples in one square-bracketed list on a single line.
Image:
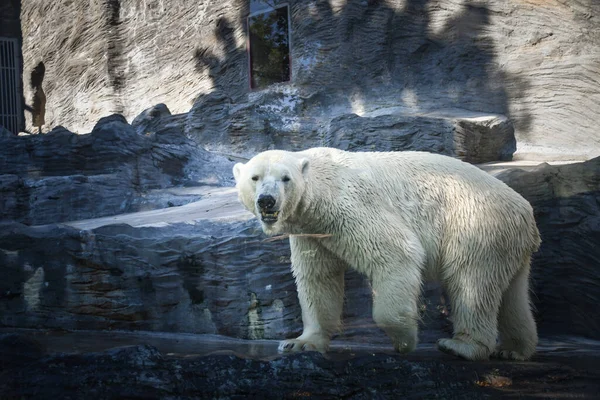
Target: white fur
[(400, 218)]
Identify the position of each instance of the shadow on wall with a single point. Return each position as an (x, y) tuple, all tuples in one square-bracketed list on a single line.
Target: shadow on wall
[(114, 52), (427, 64), (565, 273), (225, 63), (38, 107), (368, 53)]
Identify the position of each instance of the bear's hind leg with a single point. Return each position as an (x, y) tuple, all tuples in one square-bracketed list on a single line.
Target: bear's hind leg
[(518, 332), (474, 315)]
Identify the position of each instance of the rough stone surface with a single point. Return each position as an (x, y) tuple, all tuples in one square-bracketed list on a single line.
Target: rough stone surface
[(200, 278), (149, 120), (62, 176), (207, 276), (497, 57), (472, 137), (566, 202), (205, 268), (141, 371)]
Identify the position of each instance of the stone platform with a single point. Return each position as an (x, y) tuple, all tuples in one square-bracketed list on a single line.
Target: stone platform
[(110, 365)]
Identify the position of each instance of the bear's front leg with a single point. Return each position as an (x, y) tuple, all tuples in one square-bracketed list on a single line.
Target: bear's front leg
[(319, 278)]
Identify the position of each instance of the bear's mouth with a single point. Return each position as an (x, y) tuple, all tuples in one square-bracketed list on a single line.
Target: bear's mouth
[(269, 217)]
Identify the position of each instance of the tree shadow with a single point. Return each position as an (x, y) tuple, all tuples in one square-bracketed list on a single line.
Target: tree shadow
[(365, 54), (206, 59)]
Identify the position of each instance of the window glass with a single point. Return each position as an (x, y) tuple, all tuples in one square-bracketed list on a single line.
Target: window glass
[(269, 47)]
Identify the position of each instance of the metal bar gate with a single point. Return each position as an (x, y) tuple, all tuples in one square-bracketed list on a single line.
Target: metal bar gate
[(10, 98)]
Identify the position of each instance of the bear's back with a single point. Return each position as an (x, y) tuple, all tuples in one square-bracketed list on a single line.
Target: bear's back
[(428, 170), (426, 189)]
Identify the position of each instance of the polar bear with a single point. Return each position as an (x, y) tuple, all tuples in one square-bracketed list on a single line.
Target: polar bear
[(400, 218)]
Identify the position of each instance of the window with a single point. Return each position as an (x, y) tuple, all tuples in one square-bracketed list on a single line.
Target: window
[(269, 46)]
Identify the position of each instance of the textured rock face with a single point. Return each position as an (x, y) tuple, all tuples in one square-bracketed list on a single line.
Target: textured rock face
[(200, 278), (62, 176), (566, 201), (212, 272), (471, 137), (120, 56), (506, 58), (210, 276)]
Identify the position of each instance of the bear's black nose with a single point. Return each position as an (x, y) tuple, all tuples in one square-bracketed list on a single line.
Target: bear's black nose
[(266, 201)]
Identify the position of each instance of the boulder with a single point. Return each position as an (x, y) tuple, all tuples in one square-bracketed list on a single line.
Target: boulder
[(472, 137), (149, 120), (198, 277), (276, 118), (62, 176), (205, 267)]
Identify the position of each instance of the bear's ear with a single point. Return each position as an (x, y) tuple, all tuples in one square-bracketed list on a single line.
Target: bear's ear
[(237, 171), (304, 163)]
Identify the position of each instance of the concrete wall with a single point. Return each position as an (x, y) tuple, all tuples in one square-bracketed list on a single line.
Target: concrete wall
[(537, 62)]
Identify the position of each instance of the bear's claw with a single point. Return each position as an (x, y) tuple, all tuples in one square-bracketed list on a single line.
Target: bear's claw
[(295, 345), (509, 355)]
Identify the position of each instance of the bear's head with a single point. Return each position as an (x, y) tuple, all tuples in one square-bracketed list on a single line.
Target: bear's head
[(271, 186)]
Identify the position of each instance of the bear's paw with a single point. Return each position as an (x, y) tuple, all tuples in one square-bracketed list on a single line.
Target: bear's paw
[(468, 350), (298, 345), (509, 355)]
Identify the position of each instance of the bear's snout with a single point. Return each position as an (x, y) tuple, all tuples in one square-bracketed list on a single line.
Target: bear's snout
[(268, 212), (266, 202)]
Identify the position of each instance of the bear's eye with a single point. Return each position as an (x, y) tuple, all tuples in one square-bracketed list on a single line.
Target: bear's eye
[(285, 178), (255, 178)]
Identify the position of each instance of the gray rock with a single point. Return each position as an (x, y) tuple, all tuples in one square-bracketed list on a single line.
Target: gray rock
[(472, 137), (204, 268), (205, 277), (208, 273), (62, 176), (275, 119), (150, 119), (566, 281)]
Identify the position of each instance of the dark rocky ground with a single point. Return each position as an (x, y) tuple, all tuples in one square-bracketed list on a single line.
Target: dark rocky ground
[(202, 366)]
